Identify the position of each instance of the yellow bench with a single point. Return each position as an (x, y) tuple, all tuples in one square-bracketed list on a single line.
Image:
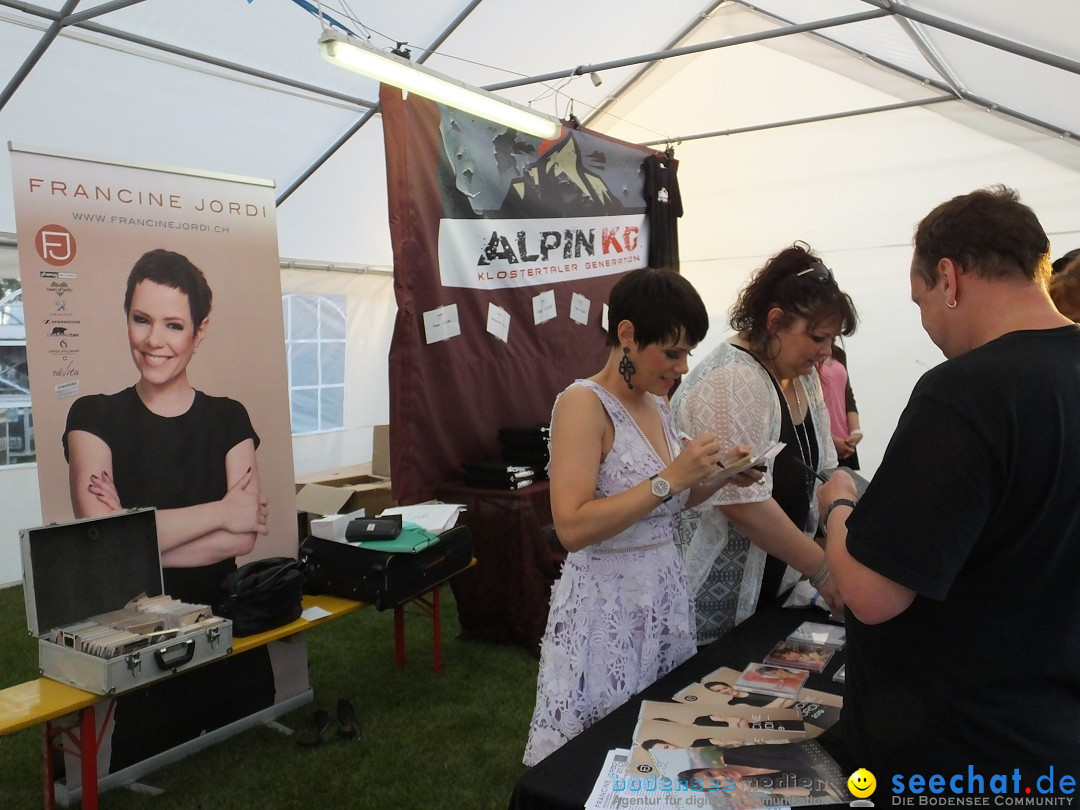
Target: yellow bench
[(42, 701)]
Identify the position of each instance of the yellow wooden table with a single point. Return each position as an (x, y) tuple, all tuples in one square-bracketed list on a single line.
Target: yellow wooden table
[(42, 701)]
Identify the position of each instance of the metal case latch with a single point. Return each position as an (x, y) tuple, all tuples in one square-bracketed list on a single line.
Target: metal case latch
[(134, 663)]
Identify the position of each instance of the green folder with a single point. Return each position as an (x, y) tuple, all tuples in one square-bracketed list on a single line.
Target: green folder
[(413, 538)]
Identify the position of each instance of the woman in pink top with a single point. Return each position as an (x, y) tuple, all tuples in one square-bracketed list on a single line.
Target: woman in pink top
[(843, 414)]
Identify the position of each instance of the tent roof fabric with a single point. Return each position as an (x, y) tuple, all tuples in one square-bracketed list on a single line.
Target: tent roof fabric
[(239, 87)]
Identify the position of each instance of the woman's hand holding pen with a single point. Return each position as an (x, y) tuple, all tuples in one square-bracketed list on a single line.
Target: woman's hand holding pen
[(697, 461), (245, 510), (743, 479)]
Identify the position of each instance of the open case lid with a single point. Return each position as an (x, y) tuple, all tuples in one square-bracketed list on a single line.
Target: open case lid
[(72, 571)]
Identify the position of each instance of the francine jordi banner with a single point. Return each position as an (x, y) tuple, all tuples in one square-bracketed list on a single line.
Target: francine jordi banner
[(156, 353)]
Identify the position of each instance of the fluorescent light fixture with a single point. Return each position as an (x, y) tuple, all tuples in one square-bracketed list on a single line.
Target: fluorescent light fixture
[(389, 68)]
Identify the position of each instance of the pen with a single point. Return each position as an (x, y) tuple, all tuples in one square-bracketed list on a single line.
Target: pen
[(806, 466)]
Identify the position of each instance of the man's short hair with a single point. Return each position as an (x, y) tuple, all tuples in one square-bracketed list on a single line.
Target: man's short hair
[(988, 232)]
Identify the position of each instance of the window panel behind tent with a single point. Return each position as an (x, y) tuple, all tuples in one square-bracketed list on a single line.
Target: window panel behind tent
[(16, 422), (316, 344)]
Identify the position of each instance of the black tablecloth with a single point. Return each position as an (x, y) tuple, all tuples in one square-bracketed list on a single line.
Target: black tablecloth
[(504, 597), (565, 779)]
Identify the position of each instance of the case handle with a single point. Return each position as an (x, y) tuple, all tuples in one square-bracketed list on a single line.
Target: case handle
[(180, 653)]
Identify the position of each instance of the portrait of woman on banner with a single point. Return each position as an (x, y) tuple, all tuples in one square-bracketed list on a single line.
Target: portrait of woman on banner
[(161, 443)]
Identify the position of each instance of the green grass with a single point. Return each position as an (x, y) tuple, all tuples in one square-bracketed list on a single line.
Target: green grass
[(447, 740)]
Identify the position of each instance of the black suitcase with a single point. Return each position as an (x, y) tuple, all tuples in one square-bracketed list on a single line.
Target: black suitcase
[(380, 578)]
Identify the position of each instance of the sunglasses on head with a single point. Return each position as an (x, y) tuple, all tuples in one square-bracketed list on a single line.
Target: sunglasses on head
[(818, 272)]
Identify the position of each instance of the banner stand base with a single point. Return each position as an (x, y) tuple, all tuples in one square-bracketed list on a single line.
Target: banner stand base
[(128, 777)]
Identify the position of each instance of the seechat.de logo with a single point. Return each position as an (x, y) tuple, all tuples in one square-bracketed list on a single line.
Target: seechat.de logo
[(862, 785), (55, 244)]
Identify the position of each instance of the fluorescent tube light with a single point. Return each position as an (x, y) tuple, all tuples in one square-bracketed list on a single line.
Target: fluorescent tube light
[(389, 68)]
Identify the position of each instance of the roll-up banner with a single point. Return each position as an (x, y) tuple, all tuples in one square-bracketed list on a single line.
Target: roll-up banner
[(156, 356)]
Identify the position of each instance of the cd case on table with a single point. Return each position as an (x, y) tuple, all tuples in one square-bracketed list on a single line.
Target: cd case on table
[(831, 635), (769, 679), (799, 654)]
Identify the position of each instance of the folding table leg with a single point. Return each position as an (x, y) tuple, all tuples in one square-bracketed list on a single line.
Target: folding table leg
[(399, 634), (47, 735), (437, 628), (427, 609), (88, 746)]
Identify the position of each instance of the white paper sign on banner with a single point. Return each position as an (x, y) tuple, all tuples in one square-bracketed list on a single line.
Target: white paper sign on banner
[(498, 322), (544, 307), (579, 308), (441, 323)]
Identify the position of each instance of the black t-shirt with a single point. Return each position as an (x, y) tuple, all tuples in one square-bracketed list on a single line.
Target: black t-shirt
[(976, 507), (168, 463), (663, 204)]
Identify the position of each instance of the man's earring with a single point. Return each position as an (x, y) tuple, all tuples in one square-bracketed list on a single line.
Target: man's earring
[(951, 306), (626, 367)]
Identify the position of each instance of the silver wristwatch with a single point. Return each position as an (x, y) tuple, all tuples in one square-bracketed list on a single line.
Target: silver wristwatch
[(661, 487)]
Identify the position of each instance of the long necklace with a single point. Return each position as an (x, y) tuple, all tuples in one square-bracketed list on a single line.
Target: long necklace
[(802, 437), (804, 440)]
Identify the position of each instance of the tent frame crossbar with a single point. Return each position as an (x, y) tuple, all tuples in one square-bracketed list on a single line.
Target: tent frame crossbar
[(82, 21), (812, 119), (328, 153), (975, 35), (67, 17), (949, 86)]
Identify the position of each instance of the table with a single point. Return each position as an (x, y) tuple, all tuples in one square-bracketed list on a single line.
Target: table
[(565, 779), (42, 701), (505, 598)]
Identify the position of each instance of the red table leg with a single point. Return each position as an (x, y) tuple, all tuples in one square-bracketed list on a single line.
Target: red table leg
[(47, 735), (427, 609), (399, 634), (88, 747), (437, 629), (88, 744)]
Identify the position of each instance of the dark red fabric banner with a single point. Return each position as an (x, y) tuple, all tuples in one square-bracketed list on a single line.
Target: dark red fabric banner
[(500, 241)]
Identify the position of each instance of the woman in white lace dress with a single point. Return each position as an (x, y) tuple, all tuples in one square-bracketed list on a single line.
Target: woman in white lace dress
[(621, 614), (759, 387)]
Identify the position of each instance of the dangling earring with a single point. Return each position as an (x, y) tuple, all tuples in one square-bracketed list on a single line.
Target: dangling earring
[(626, 367)]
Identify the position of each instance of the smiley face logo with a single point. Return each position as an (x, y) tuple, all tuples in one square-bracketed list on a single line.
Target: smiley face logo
[(862, 783)]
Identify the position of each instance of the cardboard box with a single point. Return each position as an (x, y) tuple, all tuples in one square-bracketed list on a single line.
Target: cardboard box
[(338, 492), (380, 451)]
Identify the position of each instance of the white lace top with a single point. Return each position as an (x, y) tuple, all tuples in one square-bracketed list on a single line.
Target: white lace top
[(730, 394)]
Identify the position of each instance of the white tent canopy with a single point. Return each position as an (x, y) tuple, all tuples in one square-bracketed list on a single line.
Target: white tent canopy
[(838, 122)]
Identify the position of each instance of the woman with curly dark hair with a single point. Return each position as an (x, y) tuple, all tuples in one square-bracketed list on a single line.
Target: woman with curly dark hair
[(759, 387)]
